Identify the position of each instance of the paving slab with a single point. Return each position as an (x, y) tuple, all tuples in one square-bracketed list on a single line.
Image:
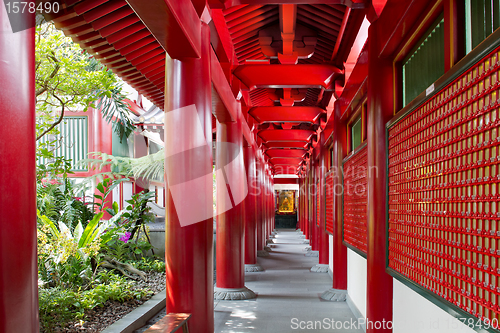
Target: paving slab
[(288, 296)]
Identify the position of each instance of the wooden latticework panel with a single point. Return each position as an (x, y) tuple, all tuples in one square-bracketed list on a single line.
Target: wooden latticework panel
[(444, 192), (329, 202), (356, 199)]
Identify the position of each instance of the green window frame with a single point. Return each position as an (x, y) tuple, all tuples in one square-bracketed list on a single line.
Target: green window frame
[(425, 64), (72, 141), (356, 133), (482, 17)]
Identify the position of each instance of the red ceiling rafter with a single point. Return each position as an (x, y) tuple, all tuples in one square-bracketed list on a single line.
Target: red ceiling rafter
[(292, 114), (286, 135), (130, 37), (287, 76), (286, 153), (285, 144)]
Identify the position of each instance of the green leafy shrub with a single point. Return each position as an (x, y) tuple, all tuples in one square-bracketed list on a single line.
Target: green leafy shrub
[(58, 306), (149, 264), (58, 200)]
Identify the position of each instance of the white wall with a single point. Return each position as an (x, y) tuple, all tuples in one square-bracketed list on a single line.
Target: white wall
[(128, 191), (356, 280), (412, 313), (330, 257)]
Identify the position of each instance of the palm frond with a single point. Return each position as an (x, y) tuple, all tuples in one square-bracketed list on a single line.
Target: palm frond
[(150, 167), (115, 111)]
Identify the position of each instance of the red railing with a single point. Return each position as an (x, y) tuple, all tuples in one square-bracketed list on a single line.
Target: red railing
[(444, 192), (356, 199)]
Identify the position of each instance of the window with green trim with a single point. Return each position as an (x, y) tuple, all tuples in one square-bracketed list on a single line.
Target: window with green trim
[(425, 64), (356, 133), (482, 17), (119, 146), (70, 142)]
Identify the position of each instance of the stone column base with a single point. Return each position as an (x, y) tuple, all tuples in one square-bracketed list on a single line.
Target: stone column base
[(233, 294), (334, 295), (253, 268), (312, 254), (268, 248), (262, 253), (320, 268)]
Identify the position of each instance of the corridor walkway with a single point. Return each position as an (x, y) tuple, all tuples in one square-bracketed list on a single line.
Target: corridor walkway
[(288, 296)]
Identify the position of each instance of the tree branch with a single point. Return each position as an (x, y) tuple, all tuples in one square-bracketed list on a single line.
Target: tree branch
[(43, 89), (61, 116)]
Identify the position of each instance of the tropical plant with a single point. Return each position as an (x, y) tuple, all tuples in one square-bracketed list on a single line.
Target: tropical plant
[(105, 187), (61, 201), (67, 258), (134, 219)]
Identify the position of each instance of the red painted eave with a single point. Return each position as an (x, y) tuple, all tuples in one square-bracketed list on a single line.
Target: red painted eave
[(287, 76)]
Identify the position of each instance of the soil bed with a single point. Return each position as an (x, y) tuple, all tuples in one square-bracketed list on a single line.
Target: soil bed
[(99, 318)]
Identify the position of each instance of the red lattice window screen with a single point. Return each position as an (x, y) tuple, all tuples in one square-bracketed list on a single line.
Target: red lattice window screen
[(329, 202), (318, 205), (444, 216), (356, 200)]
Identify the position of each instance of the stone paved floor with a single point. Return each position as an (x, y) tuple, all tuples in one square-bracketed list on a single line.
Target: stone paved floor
[(288, 296)]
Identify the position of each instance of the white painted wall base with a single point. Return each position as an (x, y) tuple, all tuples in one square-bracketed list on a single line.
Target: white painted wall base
[(356, 281), (412, 313), (355, 311), (330, 249)]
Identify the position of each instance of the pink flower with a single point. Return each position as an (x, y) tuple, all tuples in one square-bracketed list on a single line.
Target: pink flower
[(125, 238), (51, 181)]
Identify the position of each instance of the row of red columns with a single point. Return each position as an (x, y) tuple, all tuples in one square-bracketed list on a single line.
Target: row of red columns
[(380, 110), (188, 248), (244, 209)]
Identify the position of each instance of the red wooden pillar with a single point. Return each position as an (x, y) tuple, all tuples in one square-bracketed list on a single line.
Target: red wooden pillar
[(299, 208), (312, 199), (307, 199), (338, 292), (307, 230), (140, 149), (231, 189), (302, 196), (273, 205), (18, 244), (454, 15), (380, 110), (266, 202), (251, 212), (261, 241), (323, 239), (189, 247), (269, 204), (102, 133)]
